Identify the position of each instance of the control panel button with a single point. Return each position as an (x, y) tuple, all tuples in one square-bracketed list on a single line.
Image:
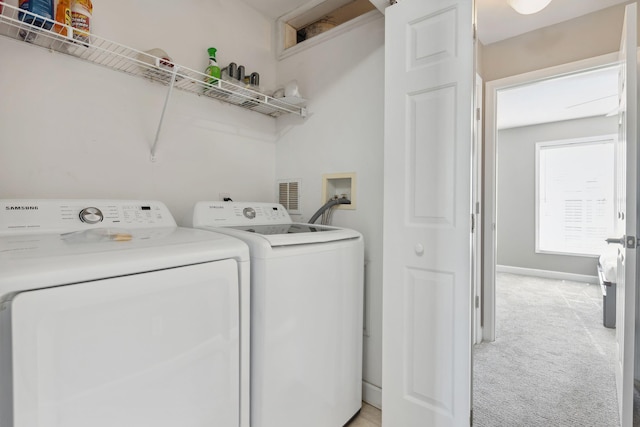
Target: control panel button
[(91, 215)]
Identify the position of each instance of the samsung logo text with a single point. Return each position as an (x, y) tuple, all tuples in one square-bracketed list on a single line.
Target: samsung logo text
[(21, 208)]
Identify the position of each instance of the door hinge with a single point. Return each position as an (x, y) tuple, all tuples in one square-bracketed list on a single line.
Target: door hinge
[(477, 301), (471, 417), (473, 223), (478, 117)]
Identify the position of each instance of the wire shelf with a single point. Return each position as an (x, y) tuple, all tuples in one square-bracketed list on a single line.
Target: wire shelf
[(46, 33)]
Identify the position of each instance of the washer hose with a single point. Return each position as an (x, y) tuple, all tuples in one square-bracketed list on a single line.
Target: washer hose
[(331, 203)]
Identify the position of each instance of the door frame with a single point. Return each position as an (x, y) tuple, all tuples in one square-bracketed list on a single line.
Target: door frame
[(490, 165)]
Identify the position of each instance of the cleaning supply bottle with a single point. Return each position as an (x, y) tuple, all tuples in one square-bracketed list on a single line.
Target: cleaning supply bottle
[(43, 8), (213, 70), (81, 13), (63, 16)]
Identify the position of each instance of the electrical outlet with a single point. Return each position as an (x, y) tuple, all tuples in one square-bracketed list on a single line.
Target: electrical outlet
[(224, 196)]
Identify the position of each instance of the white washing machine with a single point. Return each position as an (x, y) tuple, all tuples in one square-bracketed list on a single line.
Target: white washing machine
[(111, 315), (306, 314)]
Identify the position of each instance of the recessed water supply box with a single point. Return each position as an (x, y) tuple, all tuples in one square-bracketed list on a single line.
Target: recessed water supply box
[(339, 185)]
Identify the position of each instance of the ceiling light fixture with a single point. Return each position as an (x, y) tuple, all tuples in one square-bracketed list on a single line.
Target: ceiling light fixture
[(527, 7)]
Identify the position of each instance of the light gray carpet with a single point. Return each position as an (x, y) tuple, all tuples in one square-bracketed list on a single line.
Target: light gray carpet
[(552, 363)]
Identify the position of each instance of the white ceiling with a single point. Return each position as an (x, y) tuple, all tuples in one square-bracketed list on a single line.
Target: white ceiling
[(551, 100), (587, 94), (496, 20)]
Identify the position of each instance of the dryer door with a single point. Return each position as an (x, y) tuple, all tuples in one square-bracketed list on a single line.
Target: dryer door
[(152, 349)]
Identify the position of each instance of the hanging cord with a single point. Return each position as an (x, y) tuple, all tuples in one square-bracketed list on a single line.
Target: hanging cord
[(331, 203)]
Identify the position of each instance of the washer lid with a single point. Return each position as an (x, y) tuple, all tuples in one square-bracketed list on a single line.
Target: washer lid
[(45, 243), (266, 222), (315, 234), (293, 228), (34, 261), (288, 234)]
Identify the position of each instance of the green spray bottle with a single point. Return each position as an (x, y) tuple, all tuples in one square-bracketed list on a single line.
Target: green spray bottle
[(213, 70)]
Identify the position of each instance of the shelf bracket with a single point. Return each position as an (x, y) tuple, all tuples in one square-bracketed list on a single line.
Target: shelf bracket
[(164, 110)]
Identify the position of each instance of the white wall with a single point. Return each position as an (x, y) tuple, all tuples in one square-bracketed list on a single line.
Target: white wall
[(71, 129), (74, 129), (343, 78), (516, 193)]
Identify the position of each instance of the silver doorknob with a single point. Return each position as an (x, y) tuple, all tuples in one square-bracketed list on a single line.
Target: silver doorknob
[(619, 241)]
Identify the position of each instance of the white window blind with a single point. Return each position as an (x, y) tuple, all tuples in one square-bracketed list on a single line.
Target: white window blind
[(575, 195)]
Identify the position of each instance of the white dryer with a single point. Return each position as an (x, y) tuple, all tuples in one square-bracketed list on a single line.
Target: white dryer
[(306, 314), (111, 315)]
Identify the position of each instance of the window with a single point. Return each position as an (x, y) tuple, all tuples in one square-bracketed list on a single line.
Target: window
[(575, 195)]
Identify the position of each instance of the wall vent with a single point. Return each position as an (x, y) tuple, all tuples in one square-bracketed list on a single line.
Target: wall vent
[(289, 195)]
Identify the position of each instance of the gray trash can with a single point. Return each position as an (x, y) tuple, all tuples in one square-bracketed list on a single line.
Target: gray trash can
[(608, 304)]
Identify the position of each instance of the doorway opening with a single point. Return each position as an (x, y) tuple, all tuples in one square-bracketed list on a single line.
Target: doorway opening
[(522, 115), (555, 203), (536, 127)]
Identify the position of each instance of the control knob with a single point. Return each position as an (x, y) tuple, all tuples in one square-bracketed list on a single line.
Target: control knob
[(91, 215), (249, 213)]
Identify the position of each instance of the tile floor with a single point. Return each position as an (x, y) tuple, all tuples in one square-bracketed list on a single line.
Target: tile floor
[(368, 417)]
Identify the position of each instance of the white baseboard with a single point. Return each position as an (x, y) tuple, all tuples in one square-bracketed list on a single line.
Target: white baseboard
[(558, 275), (372, 394)]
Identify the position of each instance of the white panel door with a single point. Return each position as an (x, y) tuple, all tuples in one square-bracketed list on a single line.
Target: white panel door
[(427, 292), (626, 195)]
